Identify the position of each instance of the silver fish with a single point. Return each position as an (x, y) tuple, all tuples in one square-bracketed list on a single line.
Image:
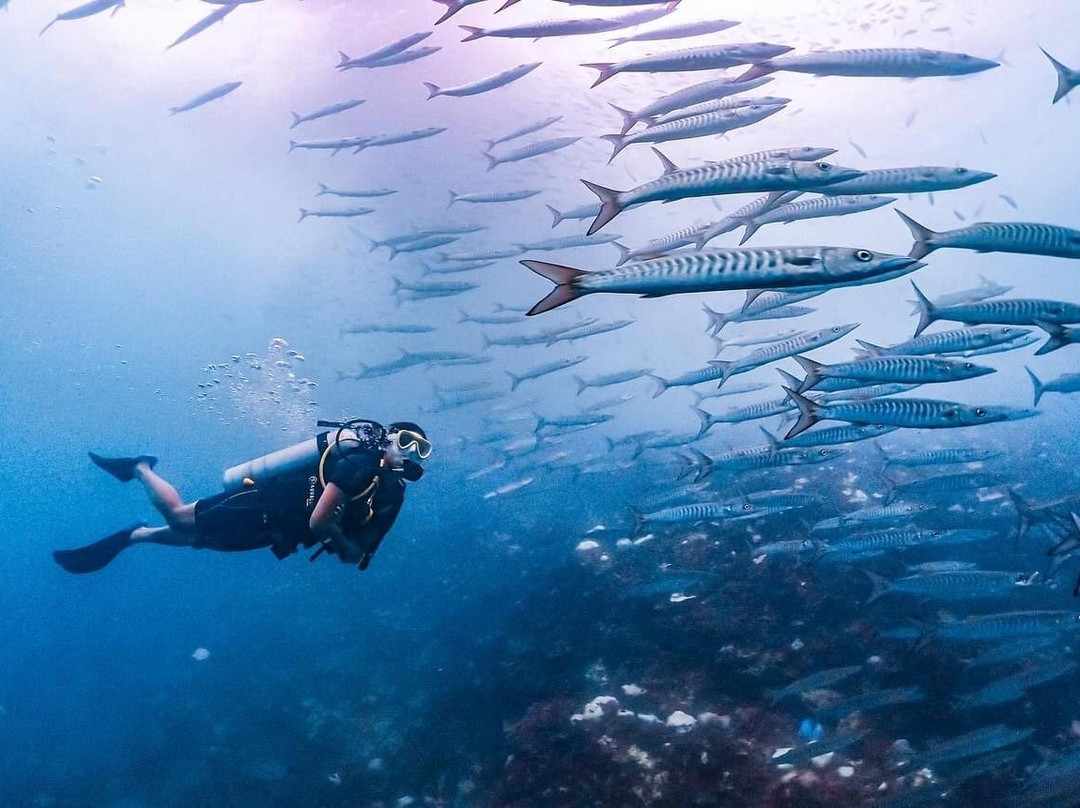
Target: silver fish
[(86, 10), (1025, 238), (689, 96), (819, 208), (205, 98), (400, 137), (686, 29), (949, 342), (1067, 383), (875, 62), (410, 55), (333, 109), (719, 105), (1015, 311), (531, 150), (361, 193), (213, 17), (610, 379), (779, 350), (746, 214), (1068, 79), (909, 413), (328, 145), (489, 197), (910, 180), (543, 370), (568, 242), (718, 270), (963, 585), (340, 213), (384, 52), (711, 123), (894, 369), (717, 179), (528, 129), (553, 28), (483, 85), (709, 57), (453, 7)]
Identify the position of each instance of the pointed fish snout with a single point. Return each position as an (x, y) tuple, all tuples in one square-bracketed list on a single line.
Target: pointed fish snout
[(899, 262)]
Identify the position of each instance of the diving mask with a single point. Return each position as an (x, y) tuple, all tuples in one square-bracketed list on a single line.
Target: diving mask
[(411, 443)]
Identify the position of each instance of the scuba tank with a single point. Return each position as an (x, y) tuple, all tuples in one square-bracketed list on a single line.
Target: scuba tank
[(306, 454), (291, 458)]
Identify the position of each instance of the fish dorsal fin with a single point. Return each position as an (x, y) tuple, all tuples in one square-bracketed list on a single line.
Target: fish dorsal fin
[(668, 166), (751, 296)]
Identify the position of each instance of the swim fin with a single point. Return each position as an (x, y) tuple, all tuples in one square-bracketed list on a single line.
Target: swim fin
[(96, 556), (122, 468)]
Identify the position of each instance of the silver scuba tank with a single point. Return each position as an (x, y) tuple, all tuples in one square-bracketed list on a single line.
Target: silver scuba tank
[(271, 465)]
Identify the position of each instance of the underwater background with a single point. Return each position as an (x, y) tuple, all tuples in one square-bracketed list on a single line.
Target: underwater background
[(159, 296)]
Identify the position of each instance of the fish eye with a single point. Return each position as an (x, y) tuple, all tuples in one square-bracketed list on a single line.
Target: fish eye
[(961, 171), (836, 329), (969, 365), (824, 452), (748, 507), (863, 255), (824, 167), (980, 412), (1006, 330)]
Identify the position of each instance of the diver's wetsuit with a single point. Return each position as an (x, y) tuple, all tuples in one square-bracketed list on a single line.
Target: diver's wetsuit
[(275, 513)]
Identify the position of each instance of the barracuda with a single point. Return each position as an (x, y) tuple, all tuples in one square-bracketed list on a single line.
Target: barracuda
[(689, 96), (820, 208), (959, 340), (719, 270), (780, 350), (1026, 238), (833, 436), (716, 179), (708, 57), (875, 62), (1015, 311), (967, 585), (909, 180), (891, 369), (745, 214), (911, 413)]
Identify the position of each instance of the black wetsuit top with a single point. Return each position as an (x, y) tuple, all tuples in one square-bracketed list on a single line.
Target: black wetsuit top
[(276, 513)]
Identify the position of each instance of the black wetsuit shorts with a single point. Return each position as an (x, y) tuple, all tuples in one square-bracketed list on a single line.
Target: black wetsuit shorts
[(232, 522)]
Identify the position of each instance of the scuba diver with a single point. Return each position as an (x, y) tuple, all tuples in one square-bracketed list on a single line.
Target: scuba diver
[(342, 490)]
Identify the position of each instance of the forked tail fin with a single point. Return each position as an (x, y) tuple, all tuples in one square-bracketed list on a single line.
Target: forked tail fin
[(927, 313), (813, 373), (1067, 79), (433, 90), (880, 584), (924, 237), (556, 216), (808, 413), (757, 71), (296, 120), (473, 32), (609, 205), (628, 118), (1038, 387), (1058, 338), (661, 384), (607, 70), (565, 279)]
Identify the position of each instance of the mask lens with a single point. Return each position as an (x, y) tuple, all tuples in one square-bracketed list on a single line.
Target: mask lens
[(408, 441)]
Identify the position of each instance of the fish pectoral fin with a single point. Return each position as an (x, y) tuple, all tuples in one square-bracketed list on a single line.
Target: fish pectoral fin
[(803, 261)]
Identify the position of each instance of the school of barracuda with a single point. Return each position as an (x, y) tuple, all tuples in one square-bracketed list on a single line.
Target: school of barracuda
[(977, 649)]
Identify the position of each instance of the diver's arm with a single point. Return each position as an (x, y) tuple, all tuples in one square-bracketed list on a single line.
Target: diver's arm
[(325, 524)]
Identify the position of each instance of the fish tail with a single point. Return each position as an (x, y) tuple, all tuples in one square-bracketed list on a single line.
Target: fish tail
[(452, 8), (705, 418), (924, 237), (883, 456), (296, 120), (1057, 338), (507, 5), (870, 348), (453, 198), (492, 161), (609, 205), (927, 313), (556, 215), (1024, 513), (1038, 387), (661, 384), (628, 118), (717, 320), (325, 190), (1066, 83), (813, 372), (789, 380), (756, 71), (624, 253), (540, 423), (433, 90), (607, 70), (473, 32), (581, 385), (808, 413), (344, 59), (880, 584), (514, 380), (292, 143), (565, 279), (751, 228), (178, 110), (617, 145), (393, 252), (303, 215), (486, 342), (701, 464), (50, 25), (890, 488), (637, 521), (725, 369)]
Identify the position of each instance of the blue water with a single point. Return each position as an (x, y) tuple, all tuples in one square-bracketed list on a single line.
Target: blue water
[(139, 253)]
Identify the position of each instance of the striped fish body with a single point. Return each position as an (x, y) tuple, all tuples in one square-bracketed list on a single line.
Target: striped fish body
[(913, 413), (748, 212), (783, 548), (875, 700), (485, 84), (1016, 344), (533, 150), (1026, 238), (613, 378), (949, 483), (708, 57), (712, 123), (569, 242), (720, 105), (1012, 688), (898, 370), (699, 376), (400, 137), (735, 178), (1023, 649), (488, 197), (977, 742), (717, 270), (961, 454), (689, 96), (956, 341), (872, 544), (866, 393), (881, 62), (976, 295), (783, 499), (959, 585), (721, 319), (1015, 311), (837, 435), (880, 513), (752, 412), (909, 180), (822, 207), (815, 681), (590, 330), (664, 244), (784, 348), (330, 145), (710, 511), (1010, 625)]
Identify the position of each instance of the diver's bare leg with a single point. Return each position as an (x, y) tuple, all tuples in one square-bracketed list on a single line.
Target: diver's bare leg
[(166, 499), (162, 535)]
